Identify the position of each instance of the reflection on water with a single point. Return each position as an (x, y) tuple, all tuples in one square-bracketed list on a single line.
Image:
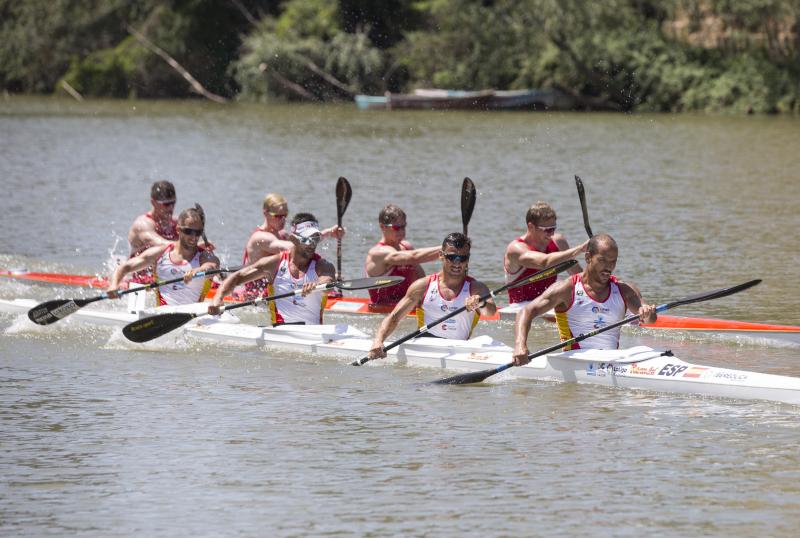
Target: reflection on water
[(103, 437)]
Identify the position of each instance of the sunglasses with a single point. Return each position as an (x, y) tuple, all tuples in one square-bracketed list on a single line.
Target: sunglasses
[(165, 203), (312, 240), (191, 231), (547, 229), (396, 227), (456, 258), (278, 215)]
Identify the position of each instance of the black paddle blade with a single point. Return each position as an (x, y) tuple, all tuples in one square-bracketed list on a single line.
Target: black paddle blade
[(343, 194), (52, 311), (371, 282), (146, 329), (468, 195), (584, 209), (707, 296), (471, 377)]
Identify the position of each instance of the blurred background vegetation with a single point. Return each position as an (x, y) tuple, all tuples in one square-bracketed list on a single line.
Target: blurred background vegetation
[(645, 55)]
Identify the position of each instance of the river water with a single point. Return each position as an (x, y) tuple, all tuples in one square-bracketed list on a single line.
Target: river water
[(100, 437)]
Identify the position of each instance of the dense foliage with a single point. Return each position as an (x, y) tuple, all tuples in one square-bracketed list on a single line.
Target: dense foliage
[(667, 55)]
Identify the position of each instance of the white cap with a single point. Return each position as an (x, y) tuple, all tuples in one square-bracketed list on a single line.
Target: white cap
[(306, 230)]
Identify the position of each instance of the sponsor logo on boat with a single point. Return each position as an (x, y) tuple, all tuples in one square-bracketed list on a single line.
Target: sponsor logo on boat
[(478, 356), (731, 376), (643, 370), (604, 368), (695, 372), (671, 370)]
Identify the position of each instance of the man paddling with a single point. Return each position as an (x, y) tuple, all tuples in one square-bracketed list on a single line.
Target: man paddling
[(585, 302), (538, 248), (183, 257), (272, 238), (300, 267), (441, 293), (157, 226), (394, 256)]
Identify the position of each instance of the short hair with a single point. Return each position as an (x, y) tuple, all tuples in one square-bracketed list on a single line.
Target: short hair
[(190, 213), (457, 240), (390, 213), (538, 212), (162, 190), (273, 199), (303, 217), (600, 240)]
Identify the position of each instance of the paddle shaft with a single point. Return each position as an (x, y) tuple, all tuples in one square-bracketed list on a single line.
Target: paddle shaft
[(477, 377), (298, 291), (584, 209), (541, 275)]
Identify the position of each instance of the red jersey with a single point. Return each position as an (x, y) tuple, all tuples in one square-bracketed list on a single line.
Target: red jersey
[(393, 294), (531, 291)]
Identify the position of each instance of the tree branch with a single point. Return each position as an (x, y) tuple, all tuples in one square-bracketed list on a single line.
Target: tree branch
[(195, 85), (288, 84)]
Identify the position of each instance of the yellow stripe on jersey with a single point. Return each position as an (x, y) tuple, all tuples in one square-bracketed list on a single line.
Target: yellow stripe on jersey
[(564, 331)]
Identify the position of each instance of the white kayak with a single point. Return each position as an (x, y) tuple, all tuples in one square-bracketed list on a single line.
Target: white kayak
[(639, 367)]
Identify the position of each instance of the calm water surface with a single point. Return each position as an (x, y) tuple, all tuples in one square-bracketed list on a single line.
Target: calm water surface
[(100, 437)]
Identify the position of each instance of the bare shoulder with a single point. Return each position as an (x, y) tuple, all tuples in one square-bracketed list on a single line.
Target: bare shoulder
[(324, 267), (417, 288), (561, 241), (630, 292), (477, 287), (516, 248), (143, 224), (561, 291)]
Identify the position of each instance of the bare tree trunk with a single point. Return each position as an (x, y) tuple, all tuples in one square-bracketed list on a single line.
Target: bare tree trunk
[(288, 84), (195, 85), (327, 77), (72, 91)]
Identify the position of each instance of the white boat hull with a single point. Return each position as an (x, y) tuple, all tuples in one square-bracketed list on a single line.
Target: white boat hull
[(640, 368)]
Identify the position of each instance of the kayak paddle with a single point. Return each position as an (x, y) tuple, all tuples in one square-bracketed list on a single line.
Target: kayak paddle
[(52, 311)]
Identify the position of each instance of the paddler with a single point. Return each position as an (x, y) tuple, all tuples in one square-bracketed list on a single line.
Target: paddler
[(585, 302), (171, 260), (298, 268), (272, 238), (393, 255), (541, 246), (440, 293), (156, 227)]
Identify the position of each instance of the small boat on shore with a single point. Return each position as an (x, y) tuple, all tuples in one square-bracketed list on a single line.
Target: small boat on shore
[(639, 368), (436, 99)]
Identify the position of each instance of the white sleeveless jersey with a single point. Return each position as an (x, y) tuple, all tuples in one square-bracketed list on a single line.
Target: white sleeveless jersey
[(179, 293), (586, 314), (296, 308), (434, 306)]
